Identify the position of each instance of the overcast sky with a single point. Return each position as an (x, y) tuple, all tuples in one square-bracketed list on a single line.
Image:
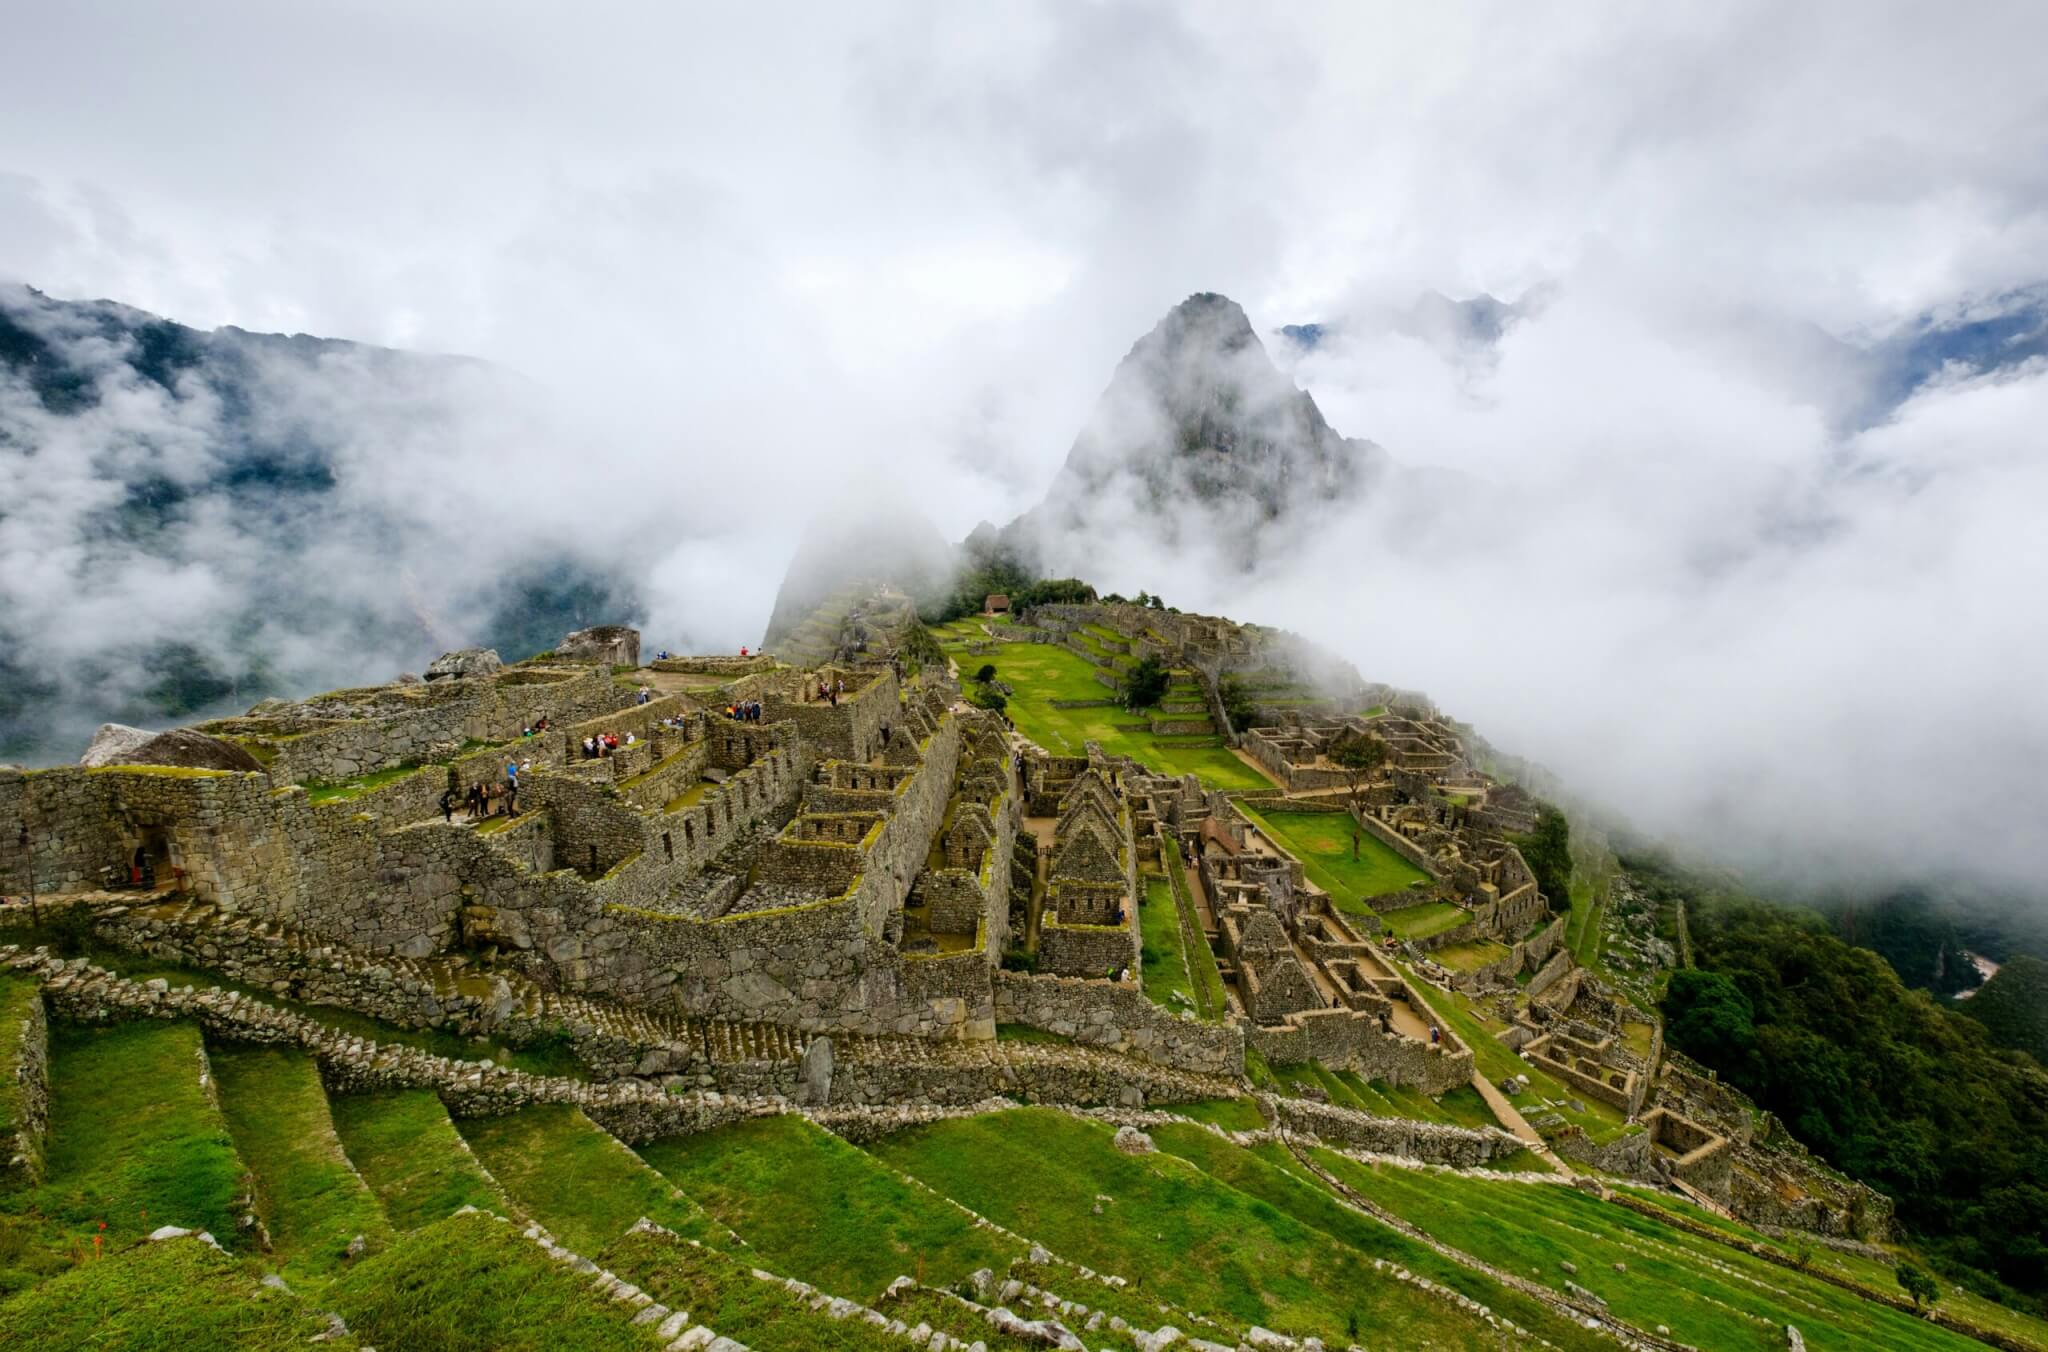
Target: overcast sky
[(763, 259)]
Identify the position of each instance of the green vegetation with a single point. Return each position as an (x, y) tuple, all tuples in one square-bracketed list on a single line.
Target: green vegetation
[(472, 1283), (1211, 1002), (1884, 1082), (1163, 964), (1040, 673), (1470, 957), (725, 1296), (1238, 1114), (1420, 922), (579, 1182), (311, 1201), (1196, 1240), (344, 789), (154, 1297), (1144, 684), (814, 1207), (1323, 842), (134, 1143), (1548, 852), (2013, 1006), (410, 1154), (1708, 1294)]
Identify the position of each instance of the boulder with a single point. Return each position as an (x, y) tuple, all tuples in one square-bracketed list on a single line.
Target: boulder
[(615, 645), (464, 662), (1131, 1141), (817, 1072), (115, 744)]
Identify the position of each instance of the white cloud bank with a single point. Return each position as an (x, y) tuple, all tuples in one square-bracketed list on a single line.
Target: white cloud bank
[(755, 262)]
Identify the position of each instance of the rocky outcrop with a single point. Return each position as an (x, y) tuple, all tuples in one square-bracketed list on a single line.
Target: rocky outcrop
[(616, 645), (464, 662), (117, 744)]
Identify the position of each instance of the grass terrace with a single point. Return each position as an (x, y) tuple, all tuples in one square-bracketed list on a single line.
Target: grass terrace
[(1420, 922), (412, 1158), (1043, 672), (570, 1175), (1163, 964), (812, 1206), (1708, 1294), (1472, 956), (344, 789), (1322, 841)]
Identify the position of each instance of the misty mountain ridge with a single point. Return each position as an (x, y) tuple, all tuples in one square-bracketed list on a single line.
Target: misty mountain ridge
[(1199, 442), (192, 520)]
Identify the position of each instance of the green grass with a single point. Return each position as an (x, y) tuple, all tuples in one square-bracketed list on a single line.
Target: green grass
[(1238, 1114), (1420, 922), (1211, 1002), (18, 998), (1163, 963), (1708, 1294), (409, 1152), (343, 789), (157, 1297), (1043, 672), (1271, 1174), (1192, 1239), (567, 1173), (922, 1305), (134, 1142), (725, 1296), (1322, 842), (311, 1201), (1470, 957), (474, 1284), (814, 1207)]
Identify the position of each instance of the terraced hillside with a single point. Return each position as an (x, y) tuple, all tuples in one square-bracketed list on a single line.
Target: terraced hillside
[(374, 1218)]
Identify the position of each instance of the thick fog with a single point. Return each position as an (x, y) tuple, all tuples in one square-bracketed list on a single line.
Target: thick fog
[(1729, 534)]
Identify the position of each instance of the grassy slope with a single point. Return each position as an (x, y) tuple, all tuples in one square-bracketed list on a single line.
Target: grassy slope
[(1275, 1177), (1708, 1294), (412, 1157), (135, 1141), (816, 1208), (1043, 672), (722, 1294), (576, 1180), (473, 1284), (1322, 841), (1163, 964), (312, 1202), (1194, 1240), (156, 1297)]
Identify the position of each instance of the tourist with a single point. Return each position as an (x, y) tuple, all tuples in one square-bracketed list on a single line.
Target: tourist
[(644, 696), (1435, 1035), (475, 799), (448, 805), (590, 747), (512, 798)]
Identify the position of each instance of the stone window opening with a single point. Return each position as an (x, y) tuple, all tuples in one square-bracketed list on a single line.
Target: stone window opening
[(668, 847), (689, 834), (593, 858)]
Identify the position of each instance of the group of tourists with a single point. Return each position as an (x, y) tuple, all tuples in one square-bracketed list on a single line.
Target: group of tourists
[(601, 744), (539, 726), (486, 800), (744, 711)]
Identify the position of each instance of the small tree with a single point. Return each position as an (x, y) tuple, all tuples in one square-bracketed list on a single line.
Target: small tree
[(1237, 702), (987, 673), (1919, 1284), (1359, 755), (1145, 683)]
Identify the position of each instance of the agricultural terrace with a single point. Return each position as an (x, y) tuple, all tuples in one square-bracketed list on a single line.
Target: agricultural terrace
[(1040, 673), (1322, 842)]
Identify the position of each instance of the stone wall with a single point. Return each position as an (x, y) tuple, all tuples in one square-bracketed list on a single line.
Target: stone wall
[(24, 1082), (1087, 950), (1430, 1142), (1345, 1040), (1118, 1016)]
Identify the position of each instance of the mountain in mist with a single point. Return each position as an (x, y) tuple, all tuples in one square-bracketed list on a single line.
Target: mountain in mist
[(192, 520), (853, 573), (1201, 442)]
